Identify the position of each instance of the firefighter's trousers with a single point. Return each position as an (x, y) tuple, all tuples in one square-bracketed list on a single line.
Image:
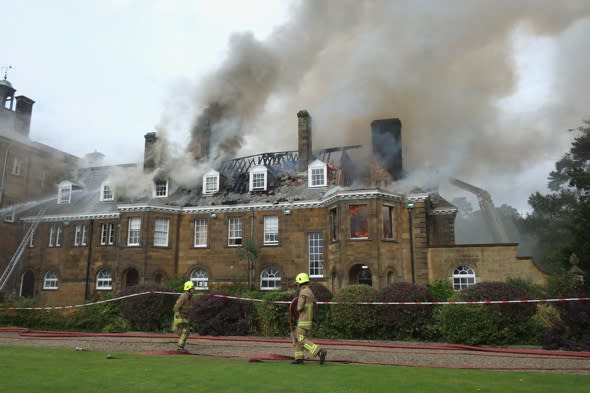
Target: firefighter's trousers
[(301, 343), (183, 331)]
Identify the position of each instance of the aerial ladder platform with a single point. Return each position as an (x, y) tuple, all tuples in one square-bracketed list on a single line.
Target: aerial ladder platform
[(486, 205), (14, 261)]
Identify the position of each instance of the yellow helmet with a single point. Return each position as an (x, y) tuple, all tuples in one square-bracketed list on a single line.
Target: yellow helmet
[(302, 278), (188, 285)]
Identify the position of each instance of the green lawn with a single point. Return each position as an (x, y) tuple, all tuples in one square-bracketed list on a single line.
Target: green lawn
[(24, 369)]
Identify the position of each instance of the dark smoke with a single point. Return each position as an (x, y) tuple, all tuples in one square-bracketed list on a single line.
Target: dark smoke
[(440, 67)]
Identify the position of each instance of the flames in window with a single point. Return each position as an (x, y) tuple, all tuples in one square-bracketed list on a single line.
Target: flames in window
[(359, 223)]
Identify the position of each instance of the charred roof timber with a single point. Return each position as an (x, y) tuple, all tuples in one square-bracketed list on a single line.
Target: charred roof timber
[(387, 145)]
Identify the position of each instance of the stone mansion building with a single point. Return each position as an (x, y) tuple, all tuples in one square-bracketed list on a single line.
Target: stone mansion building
[(104, 228)]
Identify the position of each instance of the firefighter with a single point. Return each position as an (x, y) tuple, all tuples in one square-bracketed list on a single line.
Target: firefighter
[(305, 302), (182, 311)]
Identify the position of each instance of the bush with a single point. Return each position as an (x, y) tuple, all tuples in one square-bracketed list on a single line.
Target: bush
[(504, 323), (533, 291), (149, 312), (468, 324), (572, 331), (354, 320), (273, 318), (218, 316), (405, 321), (441, 291), (105, 317)]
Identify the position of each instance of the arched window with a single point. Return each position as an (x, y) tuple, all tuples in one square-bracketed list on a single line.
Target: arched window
[(50, 280), (463, 277), (104, 280), (200, 278), (270, 279)]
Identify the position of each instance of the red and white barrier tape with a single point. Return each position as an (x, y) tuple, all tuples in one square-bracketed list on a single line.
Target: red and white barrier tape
[(417, 303)]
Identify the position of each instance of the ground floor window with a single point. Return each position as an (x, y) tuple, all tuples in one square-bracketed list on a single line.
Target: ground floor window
[(104, 280), (463, 277), (50, 280), (270, 279), (200, 278)]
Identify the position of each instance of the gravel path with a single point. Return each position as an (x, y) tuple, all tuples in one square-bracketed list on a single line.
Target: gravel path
[(339, 351)]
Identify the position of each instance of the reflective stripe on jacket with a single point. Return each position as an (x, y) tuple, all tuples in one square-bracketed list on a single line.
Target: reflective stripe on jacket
[(305, 303)]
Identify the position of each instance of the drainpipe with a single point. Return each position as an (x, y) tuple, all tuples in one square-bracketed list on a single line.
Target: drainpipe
[(4, 172), (251, 266), (89, 261), (177, 245), (410, 210)]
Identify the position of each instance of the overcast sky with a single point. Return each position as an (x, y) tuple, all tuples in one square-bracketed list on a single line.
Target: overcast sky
[(486, 90)]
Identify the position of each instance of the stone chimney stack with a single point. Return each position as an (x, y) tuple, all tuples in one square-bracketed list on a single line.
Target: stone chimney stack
[(387, 148), (23, 112), (150, 154), (304, 130)]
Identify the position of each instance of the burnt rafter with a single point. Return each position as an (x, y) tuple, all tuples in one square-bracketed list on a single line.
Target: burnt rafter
[(237, 166), (241, 165), (237, 169), (326, 154)]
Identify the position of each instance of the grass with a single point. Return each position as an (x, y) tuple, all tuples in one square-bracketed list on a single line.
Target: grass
[(28, 369)]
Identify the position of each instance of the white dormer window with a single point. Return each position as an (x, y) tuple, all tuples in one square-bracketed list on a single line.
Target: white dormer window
[(317, 174), (106, 192), (211, 182), (258, 177), (64, 194), (160, 188)]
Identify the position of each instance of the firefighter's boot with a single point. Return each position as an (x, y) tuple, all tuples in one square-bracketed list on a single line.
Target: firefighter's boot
[(297, 361), (322, 354)]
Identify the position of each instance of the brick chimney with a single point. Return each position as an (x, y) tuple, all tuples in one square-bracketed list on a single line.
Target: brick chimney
[(304, 130), (23, 113), (387, 148), (150, 152)]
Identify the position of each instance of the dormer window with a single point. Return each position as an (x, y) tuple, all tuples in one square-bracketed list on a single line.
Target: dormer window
[(64, 194), (106, 192), (211, 182), (258, 178), (317, 174), (160, 188)]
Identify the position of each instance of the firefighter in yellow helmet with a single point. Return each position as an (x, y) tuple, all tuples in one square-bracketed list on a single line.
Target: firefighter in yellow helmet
[(182, 312), (303, 305)]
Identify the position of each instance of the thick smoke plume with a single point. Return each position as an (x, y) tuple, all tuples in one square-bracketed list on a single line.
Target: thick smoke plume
[(443, 68)]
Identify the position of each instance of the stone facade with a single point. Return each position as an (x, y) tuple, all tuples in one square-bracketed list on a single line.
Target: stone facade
[(339, 231), (29, 171)]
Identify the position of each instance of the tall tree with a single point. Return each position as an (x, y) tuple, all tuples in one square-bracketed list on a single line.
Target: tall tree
[(560, 220)]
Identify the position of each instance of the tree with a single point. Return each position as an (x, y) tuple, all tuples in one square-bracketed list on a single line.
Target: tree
[(249, 251), (560, 221)]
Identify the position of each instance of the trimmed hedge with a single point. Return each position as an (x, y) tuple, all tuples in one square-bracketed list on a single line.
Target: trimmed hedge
[(492, 324), (149, 312), (272, 318), (354, 320), (404, 322), (218, 316)]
